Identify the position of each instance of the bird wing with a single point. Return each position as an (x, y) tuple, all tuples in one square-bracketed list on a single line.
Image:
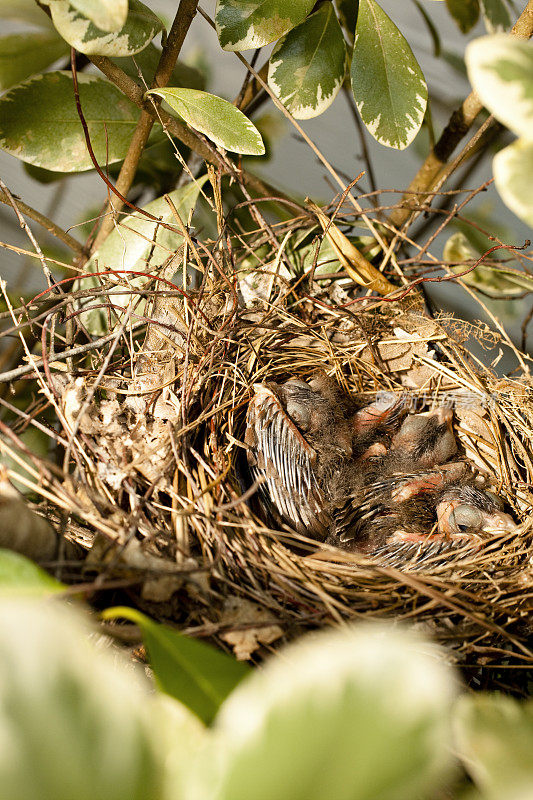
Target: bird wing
[(279, 454)]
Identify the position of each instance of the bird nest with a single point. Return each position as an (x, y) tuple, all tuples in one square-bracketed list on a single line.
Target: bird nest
[(162, 499)]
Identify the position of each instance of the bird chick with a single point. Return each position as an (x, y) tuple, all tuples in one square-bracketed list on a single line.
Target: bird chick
[(426, 439), (464, 510), (358, 479), (300, 436)]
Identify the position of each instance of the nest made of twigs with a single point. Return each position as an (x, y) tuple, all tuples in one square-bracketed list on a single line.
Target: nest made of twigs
[(161, 475)]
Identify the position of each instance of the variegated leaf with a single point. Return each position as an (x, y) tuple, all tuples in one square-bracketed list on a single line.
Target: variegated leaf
[(243, 24), (513, 175), (40, 125), (307, 66), (387, 82), (108, 15), (216, 118), (80, 32), (138, 244), (500, 68), (496, 15), (24, 54)]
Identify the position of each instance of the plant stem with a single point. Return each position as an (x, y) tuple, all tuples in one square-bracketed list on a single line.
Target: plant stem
[(462, 119), (171, 50), (176, 128), (46, 223)]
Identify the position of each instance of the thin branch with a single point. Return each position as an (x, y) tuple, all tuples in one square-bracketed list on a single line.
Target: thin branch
[(462, 119), (357, 121), (173, 126), (46, 223), (167, 61), (14, 374)]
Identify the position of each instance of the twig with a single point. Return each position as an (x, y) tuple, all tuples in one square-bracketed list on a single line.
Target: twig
[(50, 226), (14, 374), (171, 50), (24, 225), (176, 128), (366, 153)]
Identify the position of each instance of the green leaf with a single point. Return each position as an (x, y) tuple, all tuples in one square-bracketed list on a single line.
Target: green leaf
[(464, 12), (216, 118), (197, 675), (19, 575), (140, 28), (498, 282), (496, 15), (388, 85), (348, 11), (243, 24), (24, 54), (495, 741), (26, 11), (358, 713), (500, 68), (108, 15), (138, 244), (307, 66), (40, 125), (513, 175), (75, 722)]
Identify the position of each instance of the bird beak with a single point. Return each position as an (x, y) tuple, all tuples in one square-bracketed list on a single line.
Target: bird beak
[(499, 522)]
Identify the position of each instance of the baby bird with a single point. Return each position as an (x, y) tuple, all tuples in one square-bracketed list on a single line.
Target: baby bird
[(371, 480), (300, 435)]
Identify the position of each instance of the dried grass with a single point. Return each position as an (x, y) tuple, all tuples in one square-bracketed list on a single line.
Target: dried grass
[(152, 481)]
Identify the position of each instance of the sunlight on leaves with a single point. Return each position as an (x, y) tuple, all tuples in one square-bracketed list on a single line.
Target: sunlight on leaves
[(307, 66), (388, 85), (218, 119), (351, 714), (243, 24)]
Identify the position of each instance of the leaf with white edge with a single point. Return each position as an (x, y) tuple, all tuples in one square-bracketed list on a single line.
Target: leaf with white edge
[(39, 122), (354, 714), (140, 28), (388, 85), (496, 15), (75, 722), (218, 119), (24, 54), (138, 244), (243, 24), (494, 737), (196, 674), (500, 68), (20, 576), (108, 15), (307, 66), (464, 12), (513, 175)]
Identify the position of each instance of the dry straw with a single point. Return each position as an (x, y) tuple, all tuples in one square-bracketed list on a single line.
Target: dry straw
[(150, 429)]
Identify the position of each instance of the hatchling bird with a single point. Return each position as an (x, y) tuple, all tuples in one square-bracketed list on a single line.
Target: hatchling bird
[(299, 436), (361, 479)]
